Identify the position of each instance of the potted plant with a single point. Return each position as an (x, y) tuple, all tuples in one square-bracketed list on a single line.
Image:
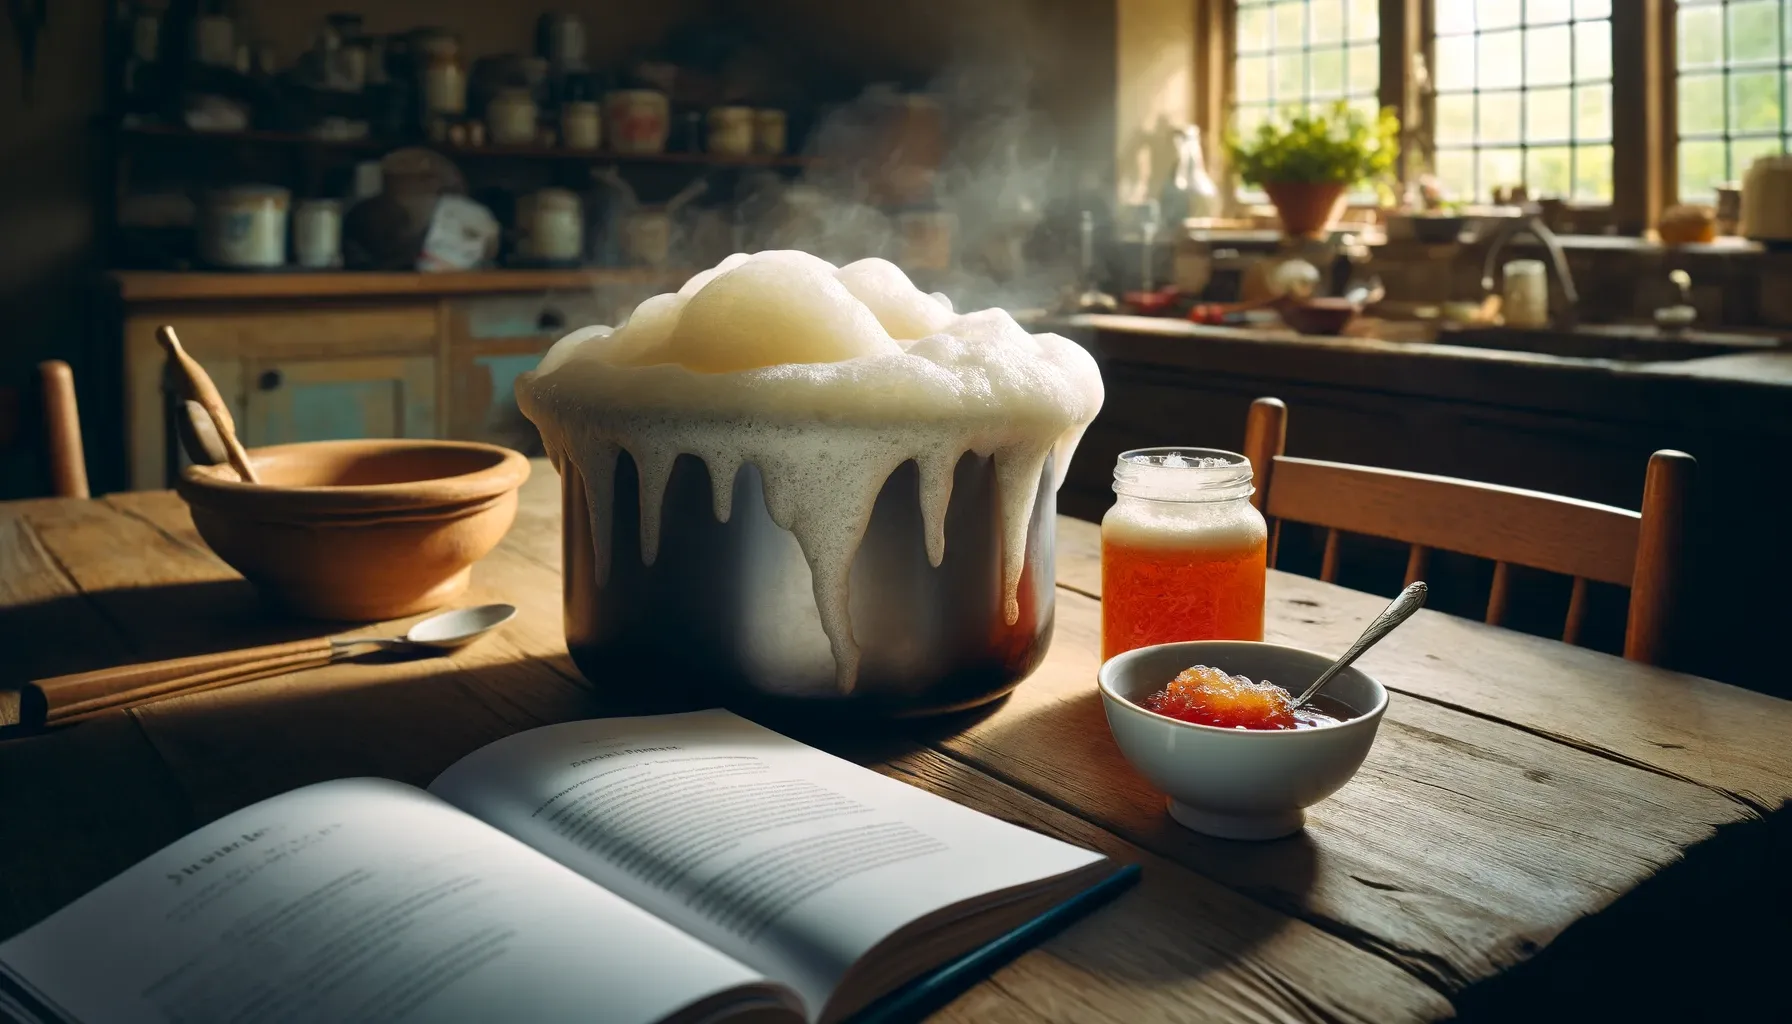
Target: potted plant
[(1308, 162)]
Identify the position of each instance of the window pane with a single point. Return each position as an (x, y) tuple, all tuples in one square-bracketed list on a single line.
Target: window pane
[(1592, 51), (1290, 75), (1754, 31), (1744, 152), (1548, 115), (1291, 24), (1253, 29), (1755, 101), (1501, 117), (1501, 60), (1365, 70), (1456, 118), (1701, 37), (1456, 169), (1701, 168), (1496, 13), (1455, 63), (1546, 57), (1593, 174), (1327, 69), (1547, 171), (1593, 112), (1539, 75), (1454, 16), (1253, 79), (1701, 104), (1365, 19), (1328, 21), (1501, 168), (1246, 119), (1546, 12)]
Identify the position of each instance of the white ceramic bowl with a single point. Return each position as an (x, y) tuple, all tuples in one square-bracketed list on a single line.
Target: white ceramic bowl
[(1239, 783)]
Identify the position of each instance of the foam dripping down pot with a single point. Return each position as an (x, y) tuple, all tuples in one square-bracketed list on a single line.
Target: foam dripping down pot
[(805, 484)]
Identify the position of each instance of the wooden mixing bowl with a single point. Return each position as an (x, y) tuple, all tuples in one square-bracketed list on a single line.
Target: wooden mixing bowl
[(359, 530)]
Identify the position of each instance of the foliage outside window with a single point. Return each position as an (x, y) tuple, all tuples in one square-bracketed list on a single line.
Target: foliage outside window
[(1733, 72)]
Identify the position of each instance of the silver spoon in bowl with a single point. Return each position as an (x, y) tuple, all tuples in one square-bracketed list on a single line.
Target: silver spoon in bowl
[(1399, 610)]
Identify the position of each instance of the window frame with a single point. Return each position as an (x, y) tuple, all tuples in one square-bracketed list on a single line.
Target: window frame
[(1644, 136)]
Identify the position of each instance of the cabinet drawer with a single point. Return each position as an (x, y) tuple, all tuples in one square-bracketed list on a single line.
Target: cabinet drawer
[(302, 333), (330, 399)]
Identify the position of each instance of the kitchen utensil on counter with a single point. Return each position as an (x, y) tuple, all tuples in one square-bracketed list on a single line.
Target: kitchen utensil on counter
[(732, 603), (198, 435), (550, 227), (67, 699), (1729, 208), (729, 131), (581, 124), (1682, 313), (771, 132), (1398, 610), (1525, 295), (359, 530), (197, 385), (510, 117), (639, 120), (244, 227), (1090, 298), (1767, 201), (317, 234), (1238, 783)]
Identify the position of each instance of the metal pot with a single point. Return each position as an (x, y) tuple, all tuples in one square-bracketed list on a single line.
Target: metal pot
[(729, 606)]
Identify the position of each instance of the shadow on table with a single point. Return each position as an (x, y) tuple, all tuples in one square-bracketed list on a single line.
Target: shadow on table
[(107, 628), (1727, 910)]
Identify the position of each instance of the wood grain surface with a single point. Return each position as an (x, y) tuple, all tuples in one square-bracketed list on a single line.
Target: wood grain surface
[(1506, 812)]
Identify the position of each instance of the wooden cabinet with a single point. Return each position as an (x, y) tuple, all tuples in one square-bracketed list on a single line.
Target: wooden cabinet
[(313, 357), (328, 399)]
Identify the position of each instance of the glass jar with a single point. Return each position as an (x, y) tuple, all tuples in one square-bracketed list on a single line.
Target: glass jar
[(1182, 550)]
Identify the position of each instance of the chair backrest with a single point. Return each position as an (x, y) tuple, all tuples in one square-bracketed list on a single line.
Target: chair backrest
[(1507, 525), (62, 430)]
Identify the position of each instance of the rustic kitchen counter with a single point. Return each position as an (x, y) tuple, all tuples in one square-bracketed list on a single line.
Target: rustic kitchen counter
[(1539, 829), (1581, 427)]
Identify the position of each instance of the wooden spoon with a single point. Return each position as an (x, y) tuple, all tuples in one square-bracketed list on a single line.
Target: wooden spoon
[(200, 389), (199, 436)]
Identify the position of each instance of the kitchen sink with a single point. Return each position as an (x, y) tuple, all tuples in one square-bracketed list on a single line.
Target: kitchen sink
[(1630, 343)]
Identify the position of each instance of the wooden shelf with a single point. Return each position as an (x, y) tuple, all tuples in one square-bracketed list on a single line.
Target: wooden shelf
[(166, 133), (197, 286)]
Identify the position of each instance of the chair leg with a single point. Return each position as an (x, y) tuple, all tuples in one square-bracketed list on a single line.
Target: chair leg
[(1659, 550), (62, 421)]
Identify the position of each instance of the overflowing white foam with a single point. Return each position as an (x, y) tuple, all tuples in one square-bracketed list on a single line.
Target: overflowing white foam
[(827, 379)]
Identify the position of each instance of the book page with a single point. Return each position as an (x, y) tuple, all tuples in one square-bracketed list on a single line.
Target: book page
[(789, 859), (359, 900)]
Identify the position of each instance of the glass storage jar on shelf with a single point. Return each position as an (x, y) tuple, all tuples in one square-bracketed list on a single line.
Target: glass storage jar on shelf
[(1182, 550)]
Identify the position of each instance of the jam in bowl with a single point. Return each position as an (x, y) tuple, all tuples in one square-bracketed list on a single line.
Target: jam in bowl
[(1226, 754)]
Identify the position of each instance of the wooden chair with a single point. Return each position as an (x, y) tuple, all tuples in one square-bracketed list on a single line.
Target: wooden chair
[(1510, 526), (62, 428)]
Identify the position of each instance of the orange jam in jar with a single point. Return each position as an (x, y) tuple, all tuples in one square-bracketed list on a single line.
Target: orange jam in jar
[(1182, 550)]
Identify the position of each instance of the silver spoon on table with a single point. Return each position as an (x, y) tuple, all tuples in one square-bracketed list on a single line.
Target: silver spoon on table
[(1410, 600), (65, 698)]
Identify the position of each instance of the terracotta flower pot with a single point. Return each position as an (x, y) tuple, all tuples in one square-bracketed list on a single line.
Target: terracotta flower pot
[(1307, 208)]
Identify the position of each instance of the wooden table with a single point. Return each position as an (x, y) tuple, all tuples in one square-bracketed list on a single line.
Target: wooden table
[(1539, 828)]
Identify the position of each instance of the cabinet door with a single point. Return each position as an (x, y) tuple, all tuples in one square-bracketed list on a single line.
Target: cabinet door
[(482, 397), (333, 399)]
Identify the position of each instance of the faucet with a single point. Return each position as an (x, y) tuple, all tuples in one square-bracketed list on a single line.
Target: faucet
[(1532, 221)]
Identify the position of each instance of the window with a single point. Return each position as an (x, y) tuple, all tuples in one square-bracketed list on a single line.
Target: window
[(1304, 54), (1733, 69), (1524, 97)]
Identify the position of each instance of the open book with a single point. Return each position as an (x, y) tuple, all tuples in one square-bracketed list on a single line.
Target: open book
[(692, 867)]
